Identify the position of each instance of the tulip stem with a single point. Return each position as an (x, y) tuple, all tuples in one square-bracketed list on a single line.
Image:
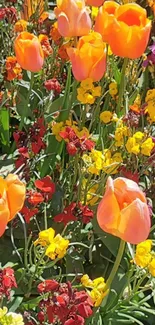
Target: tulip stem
[(121, 87), (116, 264)]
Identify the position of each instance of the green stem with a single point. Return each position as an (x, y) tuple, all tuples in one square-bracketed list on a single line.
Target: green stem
[(116, 264), (121, 87)]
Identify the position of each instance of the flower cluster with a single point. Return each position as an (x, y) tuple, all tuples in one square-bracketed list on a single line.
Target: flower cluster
[(30, 142), (55, 246), (13, 69), (10, 318), (87, 92), (140, 143), (98, 288), (145, 257), (34, 198), (7, 282), (75, 139), (64, 304), (97, 161), (74, 212)]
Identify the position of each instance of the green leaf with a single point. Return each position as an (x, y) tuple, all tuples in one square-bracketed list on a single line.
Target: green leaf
[(15, 304), (116, 72), (73, 266), (4, 128)]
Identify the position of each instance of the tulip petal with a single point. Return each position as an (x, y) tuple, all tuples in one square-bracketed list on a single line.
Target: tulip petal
[(83, 23), (108, 212), (80, 70), (15, 194), (4, 214), (63, 25), (99, 68), (135, 222)]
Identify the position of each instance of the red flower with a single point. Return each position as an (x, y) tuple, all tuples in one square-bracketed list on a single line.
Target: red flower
[(28, 213), (35, 198), (128, 174), (45, 185), (7, 281), (53, 84), (85, 310), (47, 286), (24, 152), (75, 320), (85, 213), (67, 215), (71, 149)]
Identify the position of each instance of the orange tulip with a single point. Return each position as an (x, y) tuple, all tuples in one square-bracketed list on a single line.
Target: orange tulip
[(123, 211), (73, 18), (28, 52), (94, 3), (130, 31), (105, 19), (89, 58), (12, 196)]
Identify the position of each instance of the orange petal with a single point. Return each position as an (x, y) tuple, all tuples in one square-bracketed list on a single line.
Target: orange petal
[(108, 212), (134, 226), (15, 194), (99, 68), (4, 213), (63, 25)]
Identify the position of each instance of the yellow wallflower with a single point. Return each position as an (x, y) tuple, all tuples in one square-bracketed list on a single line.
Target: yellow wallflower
[(151, 267), (138, 136), (121, 132), (86, 281), (113, 90), (147, 147), (99, 283), (56, 128), (97, 296), (45, 237), (96, 91), (132, 146), (57, 248), (90, 99), (106, 117), (143, 255), (3, 311), (87, 84)]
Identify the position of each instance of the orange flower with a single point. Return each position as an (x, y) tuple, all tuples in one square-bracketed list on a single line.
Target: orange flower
[(73, 18), (12, 196), (94, 3), (54, 33), (28, 51), (30, 7), (89, 58), (20, 26), (130, 31), (105, 19), (13, 68), (43, 17), (62, 52), (123, 211), (45, 44)]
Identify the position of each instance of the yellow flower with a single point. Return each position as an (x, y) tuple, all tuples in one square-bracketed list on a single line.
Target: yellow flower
[(94, 12), (143, 256), (45, 237), (132, 146), (138, 136), (56, 128), (150, 95), (87, 159), (86, 281), (57, 248), (96, 154), (147, 147), (113, 90), (92, 199), (3, 312), (96, 91), (109, 50), (97, 296), (87, 84), (144, 247), (106, 117), (143, 260), (99, 283), (14, 319), (89, 98), (151, 267)]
